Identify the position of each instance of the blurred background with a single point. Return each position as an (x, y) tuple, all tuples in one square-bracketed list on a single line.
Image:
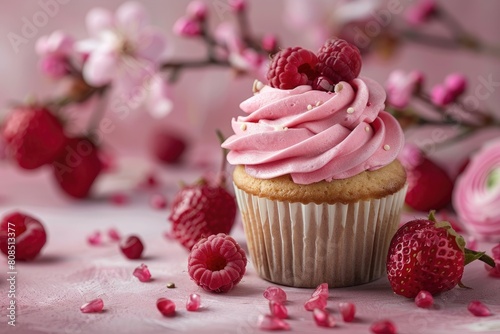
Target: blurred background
[(205, 99)]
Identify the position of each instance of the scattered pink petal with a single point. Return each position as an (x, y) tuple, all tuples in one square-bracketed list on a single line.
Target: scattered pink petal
[(478, 309), (278, 310), (323, 318), (94, 306), (132, 247), (383, 327), (142, 273), (95, 238), (158, 202), (119, 199), (194, 302), (114, 235), (274, 293), (348, 311), (165, 306), (424, 299), (269, 322)]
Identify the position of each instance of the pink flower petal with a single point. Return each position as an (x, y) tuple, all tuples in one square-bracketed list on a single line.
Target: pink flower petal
[(100, 68), (58, 43), (150, 45), (158, 101), (131, 18), (99, 19)]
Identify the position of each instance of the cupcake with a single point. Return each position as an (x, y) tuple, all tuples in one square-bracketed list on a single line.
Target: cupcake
[(316, 179)]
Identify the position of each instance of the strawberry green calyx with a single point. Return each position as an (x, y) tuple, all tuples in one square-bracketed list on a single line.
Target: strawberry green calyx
[(470, 255)]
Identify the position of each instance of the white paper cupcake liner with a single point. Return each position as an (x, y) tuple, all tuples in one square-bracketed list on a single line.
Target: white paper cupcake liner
[(304, 245)]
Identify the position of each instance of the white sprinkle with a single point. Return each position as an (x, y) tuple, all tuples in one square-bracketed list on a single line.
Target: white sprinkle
[(367, 129), (309, 107), (387, 147), (338, 87), (257, 86), (243, 127), (350, 110), (319, 103)]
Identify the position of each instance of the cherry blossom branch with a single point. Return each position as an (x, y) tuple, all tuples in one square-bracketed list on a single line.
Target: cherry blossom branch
[(461, 39)]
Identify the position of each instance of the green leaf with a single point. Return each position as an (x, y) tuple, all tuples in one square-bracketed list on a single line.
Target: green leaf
[(471, 256)]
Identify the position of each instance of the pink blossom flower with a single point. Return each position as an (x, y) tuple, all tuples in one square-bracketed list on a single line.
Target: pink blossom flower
[(54, 51), (120, 43), (477, 193), (401, 86), (125, 51), (187, 27), (197, 9), (456, 83), (441, 95), (421, 12)]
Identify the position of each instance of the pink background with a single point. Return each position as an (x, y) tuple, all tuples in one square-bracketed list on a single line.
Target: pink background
[(206, 100)]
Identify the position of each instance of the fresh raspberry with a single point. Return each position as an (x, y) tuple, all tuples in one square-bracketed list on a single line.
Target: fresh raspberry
[(34, 136), (338, 60), (292, 67), (201, 210), (77, 167), (29, 236), (217, 263)]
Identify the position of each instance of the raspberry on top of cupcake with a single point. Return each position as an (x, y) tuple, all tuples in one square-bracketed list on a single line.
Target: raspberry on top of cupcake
[(315, 120)]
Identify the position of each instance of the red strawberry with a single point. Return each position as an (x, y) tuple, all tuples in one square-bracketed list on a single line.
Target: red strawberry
[(429, 187), (168, 147), (201, 210), (338, 60), (77, 167), (33, 135), (292, 67), (427, 255)]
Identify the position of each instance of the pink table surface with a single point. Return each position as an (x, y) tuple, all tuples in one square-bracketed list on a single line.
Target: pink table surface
[(69, 272)]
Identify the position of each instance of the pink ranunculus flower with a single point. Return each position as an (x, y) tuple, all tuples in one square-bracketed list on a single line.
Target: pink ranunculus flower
[(126, 52), (401, 86), (54, 51), (476, 197)]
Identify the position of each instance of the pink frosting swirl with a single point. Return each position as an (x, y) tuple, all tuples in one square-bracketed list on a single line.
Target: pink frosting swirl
[(314, 135), (476, 196)]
